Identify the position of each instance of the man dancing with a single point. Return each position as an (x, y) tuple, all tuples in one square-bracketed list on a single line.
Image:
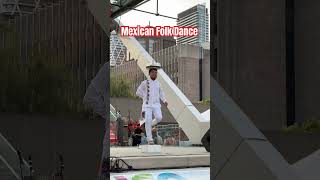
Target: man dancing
[(151, 93)]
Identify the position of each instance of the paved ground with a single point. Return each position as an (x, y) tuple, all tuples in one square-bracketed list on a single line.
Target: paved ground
[(170, 157)]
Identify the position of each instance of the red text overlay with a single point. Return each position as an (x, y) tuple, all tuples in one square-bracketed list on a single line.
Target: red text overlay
[(147, 31)]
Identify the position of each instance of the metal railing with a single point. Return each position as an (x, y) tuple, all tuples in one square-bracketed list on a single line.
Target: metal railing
[(113, 113), (10, 160)]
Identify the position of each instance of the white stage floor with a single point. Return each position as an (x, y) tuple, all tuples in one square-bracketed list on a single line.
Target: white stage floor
[(169, 157)]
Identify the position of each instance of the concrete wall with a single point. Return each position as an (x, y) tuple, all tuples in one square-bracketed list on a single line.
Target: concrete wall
[(307, 59), (206, 75), (251, 58), (188, 73), (189, 78), (79, 140)]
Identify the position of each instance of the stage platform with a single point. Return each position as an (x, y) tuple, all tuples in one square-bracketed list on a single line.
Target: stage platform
[(169, 157), (202, 173)]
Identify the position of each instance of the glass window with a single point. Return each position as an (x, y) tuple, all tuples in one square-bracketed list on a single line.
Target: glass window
[(151, 42)]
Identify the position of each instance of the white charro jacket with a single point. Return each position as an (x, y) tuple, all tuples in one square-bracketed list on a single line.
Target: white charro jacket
[(151, 93)]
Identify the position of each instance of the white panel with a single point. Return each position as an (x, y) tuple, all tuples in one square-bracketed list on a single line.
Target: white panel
[(206, 115), (150, 148)]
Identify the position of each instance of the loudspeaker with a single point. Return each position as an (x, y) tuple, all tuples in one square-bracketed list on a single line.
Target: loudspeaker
[(206, 140)]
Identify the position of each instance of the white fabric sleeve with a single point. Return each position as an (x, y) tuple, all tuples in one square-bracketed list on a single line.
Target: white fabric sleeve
[(141, 90)]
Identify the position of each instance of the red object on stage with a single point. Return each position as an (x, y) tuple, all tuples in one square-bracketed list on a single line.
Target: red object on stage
[(113, 138)]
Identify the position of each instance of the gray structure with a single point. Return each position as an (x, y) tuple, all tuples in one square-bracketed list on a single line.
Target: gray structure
[(65, 33), (268, 63), (187, 65), (196, 16), (237, 142), (305, 54), (22, 7), (147, 43), (163, 43)]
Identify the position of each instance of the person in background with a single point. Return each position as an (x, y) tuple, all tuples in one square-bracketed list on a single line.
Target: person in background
[(136, 137), (156, 138), (143, 135)]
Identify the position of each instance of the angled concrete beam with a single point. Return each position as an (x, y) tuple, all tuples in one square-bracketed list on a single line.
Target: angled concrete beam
[(101, 11), (241, 151)]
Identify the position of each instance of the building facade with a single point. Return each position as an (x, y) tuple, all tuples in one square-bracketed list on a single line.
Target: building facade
[(147, 43), (153, 44), (187, 65), (118, 51), (196, 16), (163, 43), (269, 63)]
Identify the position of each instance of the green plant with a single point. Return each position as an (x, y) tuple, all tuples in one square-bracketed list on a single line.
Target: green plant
[(120, 87), (34, 83), (205, 102), (38, 84), (309, 126)]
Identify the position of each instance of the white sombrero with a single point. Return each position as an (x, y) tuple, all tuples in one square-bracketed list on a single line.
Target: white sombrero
[(154, 65)]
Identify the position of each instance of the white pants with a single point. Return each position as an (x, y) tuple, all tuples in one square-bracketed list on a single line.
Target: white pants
[(149, 111)]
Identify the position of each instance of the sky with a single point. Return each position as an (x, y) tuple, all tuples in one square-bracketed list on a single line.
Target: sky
[(166, 7)]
